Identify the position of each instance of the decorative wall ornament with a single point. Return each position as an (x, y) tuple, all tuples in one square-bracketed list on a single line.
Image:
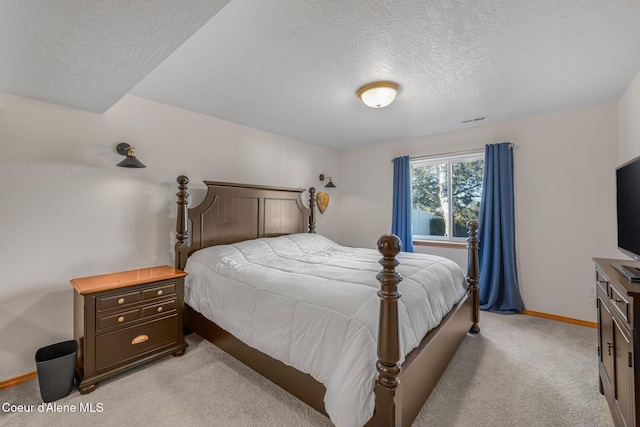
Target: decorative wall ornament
[(322, 200)]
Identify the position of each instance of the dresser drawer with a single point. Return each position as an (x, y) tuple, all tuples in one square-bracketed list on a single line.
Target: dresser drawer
[(620, 302), (159, 291), (602, 281), (118, 319), (162, 307), (122, 345), (116, 300)]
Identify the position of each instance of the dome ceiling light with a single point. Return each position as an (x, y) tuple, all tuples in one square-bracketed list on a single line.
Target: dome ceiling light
[(378, 94)]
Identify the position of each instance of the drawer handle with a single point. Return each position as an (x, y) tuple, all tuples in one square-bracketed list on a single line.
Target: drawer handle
[(121, 319), (160, 292), (121, 301), (159, 309), (139, 339), (617, 301), (609, 344)]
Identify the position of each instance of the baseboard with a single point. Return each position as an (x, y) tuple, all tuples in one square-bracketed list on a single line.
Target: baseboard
[(11, 382), (561, 319)]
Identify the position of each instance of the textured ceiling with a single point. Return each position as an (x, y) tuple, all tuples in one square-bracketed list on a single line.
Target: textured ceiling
[(292, 67), (88, 54)]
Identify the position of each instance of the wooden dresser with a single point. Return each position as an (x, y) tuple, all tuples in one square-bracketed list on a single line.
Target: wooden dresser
[(122, 320), (618, 302)]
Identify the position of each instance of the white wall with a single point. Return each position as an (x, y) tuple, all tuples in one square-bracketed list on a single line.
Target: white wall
[(67, 211), (629, 122), (565, 198)]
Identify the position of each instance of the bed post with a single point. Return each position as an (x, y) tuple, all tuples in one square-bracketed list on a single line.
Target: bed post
[(182, 233), (473, 276), (312, 207), (387, 389)]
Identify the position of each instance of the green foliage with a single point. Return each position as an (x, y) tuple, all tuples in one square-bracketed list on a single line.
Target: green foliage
[(460, 229), (430, 193), (467, 191), (437, 226), (425, 183)]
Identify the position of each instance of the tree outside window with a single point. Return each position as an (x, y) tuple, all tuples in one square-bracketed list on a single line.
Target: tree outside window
[(446, 193)]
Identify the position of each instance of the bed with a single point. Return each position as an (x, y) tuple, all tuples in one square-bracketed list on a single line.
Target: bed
[(247, 231)]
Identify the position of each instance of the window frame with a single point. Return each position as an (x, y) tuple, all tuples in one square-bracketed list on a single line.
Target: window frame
[(449, 159)]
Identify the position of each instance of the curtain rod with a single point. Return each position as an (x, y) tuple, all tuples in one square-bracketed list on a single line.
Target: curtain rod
[(451, 153)]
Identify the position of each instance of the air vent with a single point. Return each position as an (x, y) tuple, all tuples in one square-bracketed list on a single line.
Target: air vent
[(473, 120)]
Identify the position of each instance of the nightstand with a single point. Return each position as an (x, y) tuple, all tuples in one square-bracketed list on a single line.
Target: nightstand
[(122, 320)]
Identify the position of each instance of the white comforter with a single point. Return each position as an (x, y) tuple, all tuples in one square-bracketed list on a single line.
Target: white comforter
[(312, 304)]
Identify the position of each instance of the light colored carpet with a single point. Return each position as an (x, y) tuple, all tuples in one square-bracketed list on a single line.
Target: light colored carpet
[(519, 371)]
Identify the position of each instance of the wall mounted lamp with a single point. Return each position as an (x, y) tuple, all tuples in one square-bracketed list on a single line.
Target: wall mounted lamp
[(378, 94), (330, 184), (130, 161)]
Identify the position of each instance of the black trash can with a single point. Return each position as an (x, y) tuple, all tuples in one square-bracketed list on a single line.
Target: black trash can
[(56, 366)]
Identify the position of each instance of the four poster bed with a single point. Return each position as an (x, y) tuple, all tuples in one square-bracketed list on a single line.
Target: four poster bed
[(246, 237)]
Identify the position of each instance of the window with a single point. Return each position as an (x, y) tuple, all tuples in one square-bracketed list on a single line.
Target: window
[(445, 195)]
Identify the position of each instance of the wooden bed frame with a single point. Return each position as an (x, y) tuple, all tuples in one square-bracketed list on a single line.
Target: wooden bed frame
[(231, 213)]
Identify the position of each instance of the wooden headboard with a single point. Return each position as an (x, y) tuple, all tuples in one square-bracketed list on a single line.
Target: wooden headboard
[(232, 213)]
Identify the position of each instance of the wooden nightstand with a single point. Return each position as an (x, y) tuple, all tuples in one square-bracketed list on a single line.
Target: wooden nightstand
[(122, 320)]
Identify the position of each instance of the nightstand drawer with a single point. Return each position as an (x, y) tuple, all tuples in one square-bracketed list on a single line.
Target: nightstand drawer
[(117, 300), (122, 345), (117, 319), (163, 307), (159, 291)]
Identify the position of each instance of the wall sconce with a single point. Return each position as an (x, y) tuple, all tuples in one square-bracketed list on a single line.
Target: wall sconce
[(130, 161), (330, 184), (378, 94)]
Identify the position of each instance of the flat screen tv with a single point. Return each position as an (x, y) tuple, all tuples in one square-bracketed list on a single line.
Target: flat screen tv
[(628, 210)]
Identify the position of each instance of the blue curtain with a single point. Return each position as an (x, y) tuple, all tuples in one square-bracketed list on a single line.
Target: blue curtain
[(499, 291), (401, 218)]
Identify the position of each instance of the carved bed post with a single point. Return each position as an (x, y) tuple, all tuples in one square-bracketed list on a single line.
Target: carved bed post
[(182, 249), (473, 275), (312, 207), (387, 388)]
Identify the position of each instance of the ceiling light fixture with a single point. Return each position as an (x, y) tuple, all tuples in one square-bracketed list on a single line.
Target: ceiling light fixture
[(378, 94)]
